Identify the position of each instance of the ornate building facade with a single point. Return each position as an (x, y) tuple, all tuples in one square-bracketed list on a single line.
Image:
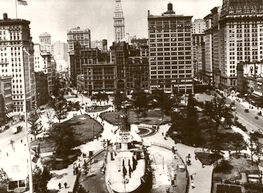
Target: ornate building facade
[(119, 26), (241, 22), (211, 38), (250, 80), (234, 35), (198, 47), (17, 61), (82, 36)]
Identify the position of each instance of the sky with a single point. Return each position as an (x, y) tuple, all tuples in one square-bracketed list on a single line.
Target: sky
[(57, 16)]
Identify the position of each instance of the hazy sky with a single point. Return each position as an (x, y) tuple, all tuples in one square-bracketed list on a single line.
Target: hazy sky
[(57, 16)]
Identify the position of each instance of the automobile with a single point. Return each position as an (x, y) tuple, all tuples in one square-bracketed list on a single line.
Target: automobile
[(17, 129), (233, 108), (246, 111)]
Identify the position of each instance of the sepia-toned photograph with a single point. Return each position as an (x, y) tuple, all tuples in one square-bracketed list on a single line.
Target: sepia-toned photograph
[(131, 96)]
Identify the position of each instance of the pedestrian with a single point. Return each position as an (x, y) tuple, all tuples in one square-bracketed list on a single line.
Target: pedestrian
[(193, 185), (59, 185), (65, 184)]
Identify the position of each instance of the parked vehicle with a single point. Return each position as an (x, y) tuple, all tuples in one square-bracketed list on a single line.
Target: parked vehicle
[(14, 130), (17, 129)]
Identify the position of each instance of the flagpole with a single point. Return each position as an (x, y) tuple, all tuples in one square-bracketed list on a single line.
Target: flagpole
[(16, 7), (30, 172)]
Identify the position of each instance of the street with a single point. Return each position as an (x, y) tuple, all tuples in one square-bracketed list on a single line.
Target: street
[(247, 119)]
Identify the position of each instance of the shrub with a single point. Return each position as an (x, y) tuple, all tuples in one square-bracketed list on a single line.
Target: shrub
[(242, 127), (257, 134), (223, 167)]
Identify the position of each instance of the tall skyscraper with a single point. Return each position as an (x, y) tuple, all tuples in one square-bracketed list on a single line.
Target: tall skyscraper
[(241, 23), (170, 52), (198, 26), (45, 42), (234, 34), (82, 36), (198, 47), (17, 60), (213, 34), (119, 26), (60, 53)]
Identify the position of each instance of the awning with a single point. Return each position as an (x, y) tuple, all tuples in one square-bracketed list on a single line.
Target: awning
[(8, 115)]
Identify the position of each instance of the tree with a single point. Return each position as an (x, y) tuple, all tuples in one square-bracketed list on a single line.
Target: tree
[(58, 89), (60, 107), (163, 101), (100, 97), (191, 130), (253, 145), (63, 138), (176, 99), (217, 111), (32, 120), (49, 115), (238, 142), (140, 100), (118, 99), (40, 179), (105, 97)]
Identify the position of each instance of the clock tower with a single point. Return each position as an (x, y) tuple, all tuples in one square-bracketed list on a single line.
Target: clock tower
[(119, 27)]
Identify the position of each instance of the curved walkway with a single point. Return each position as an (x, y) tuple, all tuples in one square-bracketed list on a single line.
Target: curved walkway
[(202, 177)]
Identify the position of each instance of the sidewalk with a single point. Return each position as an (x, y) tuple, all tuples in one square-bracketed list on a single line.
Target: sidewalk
[(62, 176), (202, 176), (66, 175)]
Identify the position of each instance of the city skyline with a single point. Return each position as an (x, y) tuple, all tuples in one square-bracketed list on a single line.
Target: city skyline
[(98, 15)]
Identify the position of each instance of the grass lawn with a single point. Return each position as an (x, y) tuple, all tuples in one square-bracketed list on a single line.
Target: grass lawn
[(207, 158), (240, 165), (94, 109), (145, 131), (153, 117), (226, 139), (223, 139), (84, 130)]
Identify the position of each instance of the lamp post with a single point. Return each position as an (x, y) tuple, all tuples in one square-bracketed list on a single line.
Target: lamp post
[(26, 125)]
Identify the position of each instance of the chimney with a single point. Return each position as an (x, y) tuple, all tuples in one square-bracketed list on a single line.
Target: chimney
[(5, 16)]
